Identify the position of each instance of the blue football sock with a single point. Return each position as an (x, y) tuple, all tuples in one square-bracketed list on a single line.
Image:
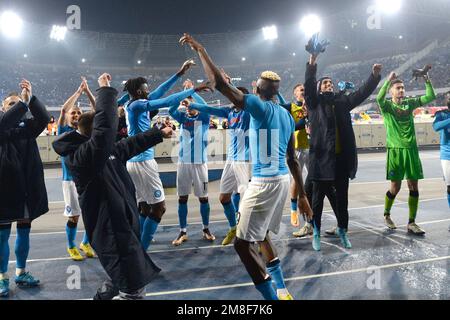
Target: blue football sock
[(4, 249), (274, 269), (141, 222), (230, 213), (448, 199), (85, 239), (182, 214), (294, 205), (71, 232), (236, 199), (267, 290), (204, 211), (150, 227), (22, 247)]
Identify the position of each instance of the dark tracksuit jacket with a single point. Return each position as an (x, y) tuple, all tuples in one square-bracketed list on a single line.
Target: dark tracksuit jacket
[(107, 194), (21, 170)]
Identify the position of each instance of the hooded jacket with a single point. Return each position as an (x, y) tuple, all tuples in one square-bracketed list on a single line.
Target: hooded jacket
[(22, 187), (107, 194), (326, 113)]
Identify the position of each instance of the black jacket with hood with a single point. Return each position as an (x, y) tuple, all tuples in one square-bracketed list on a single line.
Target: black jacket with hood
[(107, 194), (22, 187), (326, 113)]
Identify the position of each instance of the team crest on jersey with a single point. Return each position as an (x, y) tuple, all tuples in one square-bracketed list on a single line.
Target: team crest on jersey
[(158, 194), (68, 209), (392, 173), (233, 121)]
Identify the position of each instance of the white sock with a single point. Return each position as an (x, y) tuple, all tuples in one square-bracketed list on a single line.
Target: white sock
[(19, 271), (283, 292), (184, 230)]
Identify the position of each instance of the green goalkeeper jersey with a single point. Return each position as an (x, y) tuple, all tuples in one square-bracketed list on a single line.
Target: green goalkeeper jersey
[(399, 119)]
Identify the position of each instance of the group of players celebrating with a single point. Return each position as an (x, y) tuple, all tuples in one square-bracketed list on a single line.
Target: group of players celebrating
[(115, 186)]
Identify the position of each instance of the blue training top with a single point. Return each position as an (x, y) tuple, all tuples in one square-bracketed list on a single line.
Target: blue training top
[(442, 125), (67, 176), (238, 126), (271, 128), (193, 136), (138, 120)]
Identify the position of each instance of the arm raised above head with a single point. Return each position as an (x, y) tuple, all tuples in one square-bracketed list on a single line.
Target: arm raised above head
[(214, 73)]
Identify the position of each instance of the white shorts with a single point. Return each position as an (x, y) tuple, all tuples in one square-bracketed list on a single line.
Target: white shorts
[(303, 157), (446, 169), (235, 177), (189, 174), (261, 208), (147, 182), (72, 206)]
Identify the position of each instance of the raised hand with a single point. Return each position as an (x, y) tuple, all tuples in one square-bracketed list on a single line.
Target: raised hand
[(206, 86), (27, 91), (104, 80), (189, 40), (376, 69), (186, 66), (392, 76), (188, 84), (254, 86), (167, 132), (314, 47), (84, 83)]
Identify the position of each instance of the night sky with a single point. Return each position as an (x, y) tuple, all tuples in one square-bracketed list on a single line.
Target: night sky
[(175, 16)]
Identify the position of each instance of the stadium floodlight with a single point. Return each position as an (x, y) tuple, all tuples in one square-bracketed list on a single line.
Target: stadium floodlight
[(58, 33), (11, 24), (346, 47), (270, 33), (311, 24), (400, 37), (244, 59), (139, 62), (83, 60), (25, 56), (294, 54), (389, 6)]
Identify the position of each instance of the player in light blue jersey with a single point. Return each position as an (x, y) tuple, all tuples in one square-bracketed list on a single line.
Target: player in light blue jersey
[(442, 125), (236, 174), (68, 121), (143, 168), (271, 144), (192, 168)]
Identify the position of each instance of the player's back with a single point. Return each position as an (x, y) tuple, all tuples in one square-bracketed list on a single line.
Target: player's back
[(269, 139)]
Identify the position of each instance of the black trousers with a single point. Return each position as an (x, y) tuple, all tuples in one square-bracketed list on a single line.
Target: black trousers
[(337, 193)]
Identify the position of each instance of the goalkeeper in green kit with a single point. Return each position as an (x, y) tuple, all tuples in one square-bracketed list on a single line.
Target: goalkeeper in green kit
[(402, 152)]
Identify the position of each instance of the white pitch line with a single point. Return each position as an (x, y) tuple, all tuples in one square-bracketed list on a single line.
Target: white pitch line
[(397, 203), (273, 240), (321, 275)]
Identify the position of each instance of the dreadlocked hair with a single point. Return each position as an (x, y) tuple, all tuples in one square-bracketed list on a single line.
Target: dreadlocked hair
[(132, 86)]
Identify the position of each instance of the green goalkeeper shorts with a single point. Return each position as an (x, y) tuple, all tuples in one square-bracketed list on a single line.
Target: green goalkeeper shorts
[(403, 164)]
